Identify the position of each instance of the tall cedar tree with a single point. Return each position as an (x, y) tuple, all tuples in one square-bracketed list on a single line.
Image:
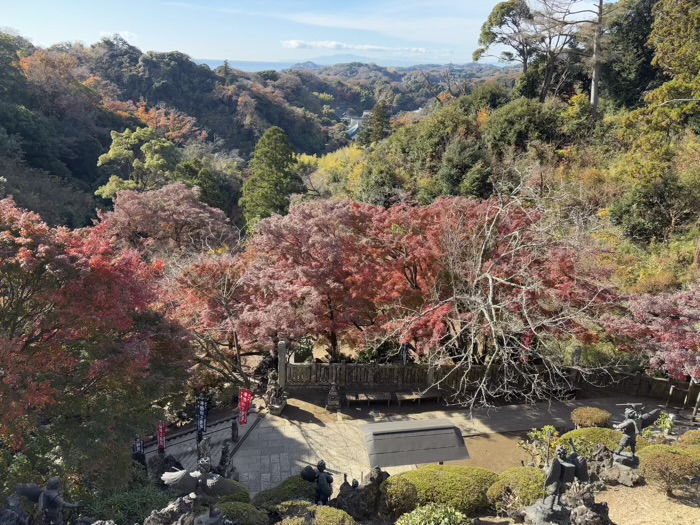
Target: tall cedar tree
[(273, 178), (380, 121)]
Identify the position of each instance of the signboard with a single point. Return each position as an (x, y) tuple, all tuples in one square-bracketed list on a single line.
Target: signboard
[(245, 398), (201, 414), (160, 432), (137, 446)]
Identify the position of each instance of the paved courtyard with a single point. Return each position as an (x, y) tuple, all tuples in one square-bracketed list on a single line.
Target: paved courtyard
[(278, 447)]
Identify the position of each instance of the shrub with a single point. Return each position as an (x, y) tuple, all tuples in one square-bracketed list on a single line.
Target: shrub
[(129, 506), (241, 496), (690, 439), (433, 514), (462, 488), (243, 513), (331, 516), (290, 489), (516, 488), (293, 521), (587, 440), (668, 467), (585, 417)]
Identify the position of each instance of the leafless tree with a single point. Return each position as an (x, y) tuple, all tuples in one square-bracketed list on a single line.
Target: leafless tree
[(507, 324)]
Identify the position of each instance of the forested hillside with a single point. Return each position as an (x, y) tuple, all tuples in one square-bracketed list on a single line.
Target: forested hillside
[(59, 106)]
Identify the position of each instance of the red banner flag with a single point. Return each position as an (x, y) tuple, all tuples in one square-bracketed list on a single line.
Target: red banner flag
[(245, 398), (160, 432)]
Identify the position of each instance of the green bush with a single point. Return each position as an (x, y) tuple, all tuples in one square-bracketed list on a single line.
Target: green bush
[(587, 440), (462, 488), (290, 489), (668, 467), (516, 488), (241, 496), (243, 513), (690, 439), (132, 505), (293, 521), (433, 514), (586, 417), (331, 516)]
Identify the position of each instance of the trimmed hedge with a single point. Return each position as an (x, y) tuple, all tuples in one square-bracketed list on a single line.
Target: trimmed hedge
[(587, 417), (242, 496), (132, 505), (690, 439), (516, 488), (290, 489), (243, 513), (433, 514), (293, 521), (668, 467), (462, 488), (587, 440), (330, 516)]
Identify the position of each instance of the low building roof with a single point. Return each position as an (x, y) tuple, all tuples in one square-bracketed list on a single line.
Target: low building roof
[(413, 442)]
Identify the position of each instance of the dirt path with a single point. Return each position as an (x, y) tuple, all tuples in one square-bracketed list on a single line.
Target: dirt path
[(647, 506)]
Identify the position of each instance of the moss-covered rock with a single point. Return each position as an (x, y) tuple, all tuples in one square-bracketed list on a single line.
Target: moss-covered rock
[(462, 488), (243, 513), (290, 489), (587, 417), (587, 440), (516, 488), (433, 514)]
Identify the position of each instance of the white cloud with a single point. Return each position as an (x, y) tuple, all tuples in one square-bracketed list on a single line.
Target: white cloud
[(330, 44), (126, 35)]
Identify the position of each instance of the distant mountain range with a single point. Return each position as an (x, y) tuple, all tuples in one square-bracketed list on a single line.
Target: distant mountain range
[(319, 62)]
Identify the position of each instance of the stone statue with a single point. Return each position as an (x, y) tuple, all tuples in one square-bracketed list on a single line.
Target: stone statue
[(202, 484), (635, 421), (333, 399), (274, 395), (323, 480), (51, 504), (563, 470), (204, 448)]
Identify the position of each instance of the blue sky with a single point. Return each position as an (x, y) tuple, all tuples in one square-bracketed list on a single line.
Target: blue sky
[(263, 30)]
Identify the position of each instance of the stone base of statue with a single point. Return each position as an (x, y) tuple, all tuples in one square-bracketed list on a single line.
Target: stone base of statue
[(216, 518), (178, 512), (276, 407), (626, 459), (541, 514), (362, 502), (578, 507)]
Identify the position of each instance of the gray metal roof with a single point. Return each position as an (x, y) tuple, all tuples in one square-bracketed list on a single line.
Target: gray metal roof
[(413, 442)]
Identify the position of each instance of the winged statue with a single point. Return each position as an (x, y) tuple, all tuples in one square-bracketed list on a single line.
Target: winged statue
[(563, 470), (633, 425)]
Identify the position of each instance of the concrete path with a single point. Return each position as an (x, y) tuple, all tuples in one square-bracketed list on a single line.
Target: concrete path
[(280, 447)]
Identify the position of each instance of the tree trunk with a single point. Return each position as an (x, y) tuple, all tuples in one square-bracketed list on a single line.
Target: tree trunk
[(595, 77)]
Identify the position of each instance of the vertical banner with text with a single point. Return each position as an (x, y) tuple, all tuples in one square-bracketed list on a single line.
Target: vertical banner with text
[(161, 436), (201, 414), (245, 398)]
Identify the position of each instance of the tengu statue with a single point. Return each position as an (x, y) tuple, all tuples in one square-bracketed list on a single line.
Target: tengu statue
[(563, 470), (323, 480), (635, 421)]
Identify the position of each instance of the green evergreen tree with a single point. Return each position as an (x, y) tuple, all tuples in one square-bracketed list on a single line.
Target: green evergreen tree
[(272, 180), (380, 121)]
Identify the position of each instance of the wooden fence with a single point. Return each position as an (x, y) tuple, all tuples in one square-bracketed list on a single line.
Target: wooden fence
[(395, 377)]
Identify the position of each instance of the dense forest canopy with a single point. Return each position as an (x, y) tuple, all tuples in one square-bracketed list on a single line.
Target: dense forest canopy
[(524, 215)]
